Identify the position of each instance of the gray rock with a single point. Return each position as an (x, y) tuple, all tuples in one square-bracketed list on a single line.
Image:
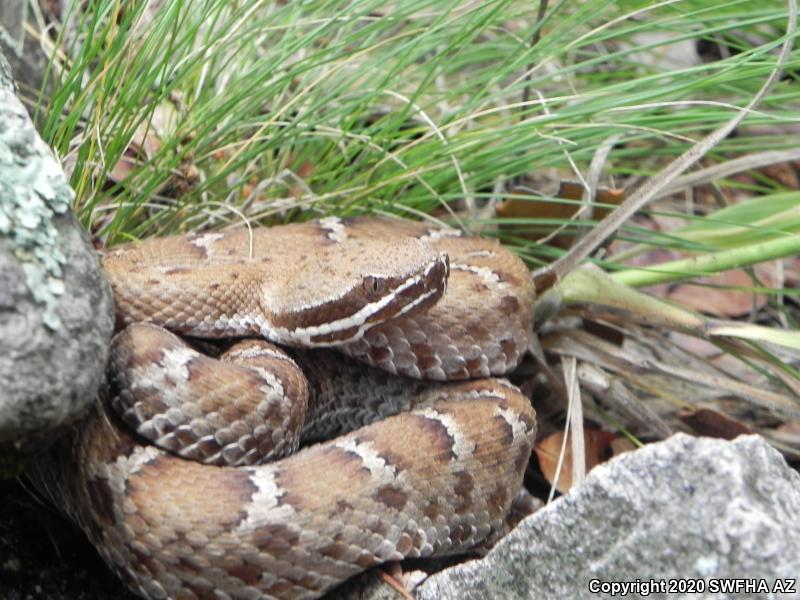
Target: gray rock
[(56, 311), (685, 508), (27, 60), (6, 78)]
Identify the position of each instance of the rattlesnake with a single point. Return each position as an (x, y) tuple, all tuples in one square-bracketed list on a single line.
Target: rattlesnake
[(438, 478)]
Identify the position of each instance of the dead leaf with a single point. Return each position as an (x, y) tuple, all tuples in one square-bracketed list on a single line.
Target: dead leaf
[(722, 302), (599, 448), (517, 208), (708, 422)]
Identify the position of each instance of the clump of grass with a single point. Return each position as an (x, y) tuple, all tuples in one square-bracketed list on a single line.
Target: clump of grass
[(287, 110)]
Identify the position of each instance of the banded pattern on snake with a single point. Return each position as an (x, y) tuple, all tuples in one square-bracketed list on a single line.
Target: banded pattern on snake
[(438, 478)]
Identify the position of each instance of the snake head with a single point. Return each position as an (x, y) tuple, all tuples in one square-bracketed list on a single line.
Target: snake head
[(342, 291), (319, 283)]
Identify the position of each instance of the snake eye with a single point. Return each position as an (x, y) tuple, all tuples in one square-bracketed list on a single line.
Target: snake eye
[(373, 286)]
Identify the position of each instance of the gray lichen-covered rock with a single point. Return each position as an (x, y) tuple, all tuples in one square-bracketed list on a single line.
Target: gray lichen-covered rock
[(683, 509), (27, 59), (56, 312), (6, 78)]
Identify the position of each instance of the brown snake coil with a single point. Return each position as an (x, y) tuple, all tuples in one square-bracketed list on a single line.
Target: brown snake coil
[(436, 479)]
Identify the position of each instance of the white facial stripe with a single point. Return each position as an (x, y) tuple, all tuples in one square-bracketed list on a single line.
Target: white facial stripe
[(244, 324), (357, 319), (337, 231), (278, 306), (415, 303), (463, 447), (282, 335), (487, 276), (249, 323)]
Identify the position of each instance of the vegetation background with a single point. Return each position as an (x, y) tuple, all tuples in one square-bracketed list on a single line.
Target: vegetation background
[(203, 114), (196, 114)]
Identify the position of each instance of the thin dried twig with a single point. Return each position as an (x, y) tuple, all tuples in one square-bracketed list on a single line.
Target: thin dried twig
[(569, 366)]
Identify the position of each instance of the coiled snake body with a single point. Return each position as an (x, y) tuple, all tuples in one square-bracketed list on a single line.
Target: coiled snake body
[(438, 478)]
